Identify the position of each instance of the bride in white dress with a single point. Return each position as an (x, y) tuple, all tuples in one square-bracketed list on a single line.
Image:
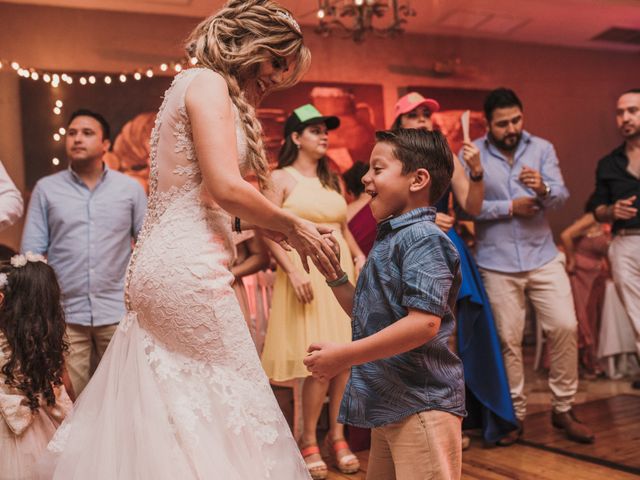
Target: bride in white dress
[(180, 392)]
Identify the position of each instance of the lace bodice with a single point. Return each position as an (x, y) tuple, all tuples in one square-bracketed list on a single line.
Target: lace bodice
[(174, 165)]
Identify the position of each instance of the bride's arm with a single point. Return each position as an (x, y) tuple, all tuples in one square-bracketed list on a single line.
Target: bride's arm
[(213, 127)]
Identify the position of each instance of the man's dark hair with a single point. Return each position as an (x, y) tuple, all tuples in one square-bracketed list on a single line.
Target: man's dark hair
[(419, 148), (500, 98), (353, 178), (633, 90), (83, 112)]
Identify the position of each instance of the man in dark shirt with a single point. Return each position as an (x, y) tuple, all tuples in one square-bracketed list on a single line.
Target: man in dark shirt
[(617, 199)]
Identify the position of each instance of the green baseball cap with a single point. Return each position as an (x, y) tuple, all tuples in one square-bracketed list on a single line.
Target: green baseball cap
[(308, 115)]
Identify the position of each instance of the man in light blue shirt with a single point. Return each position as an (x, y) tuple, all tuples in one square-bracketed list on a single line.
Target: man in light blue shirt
[(85, 220), (518, 258)]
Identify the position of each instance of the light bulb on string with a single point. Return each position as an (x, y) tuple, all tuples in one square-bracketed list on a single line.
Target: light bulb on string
[(46, 77), (62, 131), (57, 110), (15, 65), (177, 68), (59, 103), (34, 76), (92, 79), (83, 81), (193, 60), (137, 76), (149, 73), (55, 161), (123, 78), (107, 79), (56, 137), (164, 67)]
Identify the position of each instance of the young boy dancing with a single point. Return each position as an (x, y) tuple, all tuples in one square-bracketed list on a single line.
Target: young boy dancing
[(405, 383)]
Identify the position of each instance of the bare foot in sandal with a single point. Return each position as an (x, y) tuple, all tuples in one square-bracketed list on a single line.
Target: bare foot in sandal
[(341, 455), (316, 466)]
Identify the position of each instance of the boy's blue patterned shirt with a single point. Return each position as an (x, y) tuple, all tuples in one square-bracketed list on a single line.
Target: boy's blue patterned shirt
[(412, 264)]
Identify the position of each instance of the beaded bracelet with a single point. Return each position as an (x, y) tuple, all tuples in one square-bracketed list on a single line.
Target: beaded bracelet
[(338, 281)]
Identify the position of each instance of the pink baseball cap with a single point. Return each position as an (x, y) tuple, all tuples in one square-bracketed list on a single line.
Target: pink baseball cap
[(413, 100)]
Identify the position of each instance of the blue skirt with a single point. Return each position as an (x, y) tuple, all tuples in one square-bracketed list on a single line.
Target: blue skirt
[(489, 404)]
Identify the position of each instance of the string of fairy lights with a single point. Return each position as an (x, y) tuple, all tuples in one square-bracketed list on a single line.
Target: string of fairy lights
[(55, 79)]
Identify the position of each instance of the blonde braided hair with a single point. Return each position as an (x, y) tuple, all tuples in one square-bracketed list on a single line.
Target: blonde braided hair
[(234, 42)]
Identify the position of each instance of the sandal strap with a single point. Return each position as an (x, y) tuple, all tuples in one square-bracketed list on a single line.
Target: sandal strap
[(319, 465), (347, 459), (340, 445), (310, 450)]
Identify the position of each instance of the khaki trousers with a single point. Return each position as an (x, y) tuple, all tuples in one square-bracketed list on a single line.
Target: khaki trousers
[(423, 446), (624, 255), (549, 291), (86, 347)]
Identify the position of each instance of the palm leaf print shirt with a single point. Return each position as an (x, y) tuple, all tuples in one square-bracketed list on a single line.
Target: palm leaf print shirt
[(411, 265)]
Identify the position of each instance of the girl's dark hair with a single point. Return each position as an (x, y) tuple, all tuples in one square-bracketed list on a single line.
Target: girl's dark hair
[(397, 123), (32, 320), (353, 178), (289, 153)]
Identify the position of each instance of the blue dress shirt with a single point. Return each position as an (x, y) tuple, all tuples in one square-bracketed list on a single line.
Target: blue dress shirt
[(412, 265), (87, 236), (505, 243)]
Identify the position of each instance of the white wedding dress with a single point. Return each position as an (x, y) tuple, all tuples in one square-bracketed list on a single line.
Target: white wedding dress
[(180, 392)]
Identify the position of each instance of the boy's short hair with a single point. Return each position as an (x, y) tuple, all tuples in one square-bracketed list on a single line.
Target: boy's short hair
[(419, 148), (83, 112)]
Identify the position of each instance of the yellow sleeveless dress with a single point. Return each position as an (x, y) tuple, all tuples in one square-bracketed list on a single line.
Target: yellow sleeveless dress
[(293, 326)]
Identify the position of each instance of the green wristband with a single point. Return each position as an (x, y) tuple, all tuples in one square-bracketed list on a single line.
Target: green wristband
[(338, 281)]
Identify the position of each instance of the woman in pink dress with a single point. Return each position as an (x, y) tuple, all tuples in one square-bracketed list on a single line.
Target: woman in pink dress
[(585, 244)]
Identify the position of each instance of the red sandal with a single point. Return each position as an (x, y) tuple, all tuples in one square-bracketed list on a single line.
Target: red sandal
[(347, 463), (317, 469)]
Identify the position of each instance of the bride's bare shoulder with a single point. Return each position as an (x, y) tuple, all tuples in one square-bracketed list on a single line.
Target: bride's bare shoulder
[(207, 88)]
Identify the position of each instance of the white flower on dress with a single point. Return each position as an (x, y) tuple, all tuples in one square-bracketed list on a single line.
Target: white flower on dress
[(18, 261)]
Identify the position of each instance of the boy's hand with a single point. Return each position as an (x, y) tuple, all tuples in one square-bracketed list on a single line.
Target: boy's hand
[(326, 360), (330, 240)]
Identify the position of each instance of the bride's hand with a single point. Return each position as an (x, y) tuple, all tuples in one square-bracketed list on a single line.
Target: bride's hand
[(278, 237), (308, 240)]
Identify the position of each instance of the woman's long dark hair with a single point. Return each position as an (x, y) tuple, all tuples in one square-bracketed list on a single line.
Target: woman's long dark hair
[(289, 153), (32, 320)]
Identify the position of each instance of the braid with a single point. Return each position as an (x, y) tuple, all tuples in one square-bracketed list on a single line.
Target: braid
[(234, 42)]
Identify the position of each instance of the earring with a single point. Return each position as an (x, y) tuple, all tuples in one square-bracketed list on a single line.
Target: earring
[(298, 146)]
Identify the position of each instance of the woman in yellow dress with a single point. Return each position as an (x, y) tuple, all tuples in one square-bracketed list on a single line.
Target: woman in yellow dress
[(303, 308)]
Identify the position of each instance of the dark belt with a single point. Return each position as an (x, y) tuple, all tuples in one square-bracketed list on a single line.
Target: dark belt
[(628, 231)]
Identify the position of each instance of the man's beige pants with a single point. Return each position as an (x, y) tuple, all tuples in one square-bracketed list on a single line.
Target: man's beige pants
[(549, 291), (86, 347), (423, 446), (624, 255)]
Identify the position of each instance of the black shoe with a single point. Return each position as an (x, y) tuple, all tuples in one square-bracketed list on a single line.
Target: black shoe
[(511, 437)]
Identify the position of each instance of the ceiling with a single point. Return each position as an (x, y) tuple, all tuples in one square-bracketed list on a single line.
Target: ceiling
[(557, 22)]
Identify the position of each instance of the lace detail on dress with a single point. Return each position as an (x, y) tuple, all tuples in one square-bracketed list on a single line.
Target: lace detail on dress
[(184, 138), (189, 383)]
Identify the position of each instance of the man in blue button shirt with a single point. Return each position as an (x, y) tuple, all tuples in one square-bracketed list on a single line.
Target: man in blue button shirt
[(518, 258), (85, 219)]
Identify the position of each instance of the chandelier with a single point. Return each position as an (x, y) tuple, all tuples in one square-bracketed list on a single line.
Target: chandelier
[(355, 18)]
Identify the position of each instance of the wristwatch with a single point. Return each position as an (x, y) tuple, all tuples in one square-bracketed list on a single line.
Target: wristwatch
[(476, 177), (547, 190)]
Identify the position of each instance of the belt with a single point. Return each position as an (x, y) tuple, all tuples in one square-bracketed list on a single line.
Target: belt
[(628, 231)]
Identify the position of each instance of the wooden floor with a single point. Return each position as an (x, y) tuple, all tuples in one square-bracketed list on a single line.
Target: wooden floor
[(546, 454)]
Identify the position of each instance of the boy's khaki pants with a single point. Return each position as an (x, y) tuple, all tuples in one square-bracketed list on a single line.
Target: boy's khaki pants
[(422, 446)]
